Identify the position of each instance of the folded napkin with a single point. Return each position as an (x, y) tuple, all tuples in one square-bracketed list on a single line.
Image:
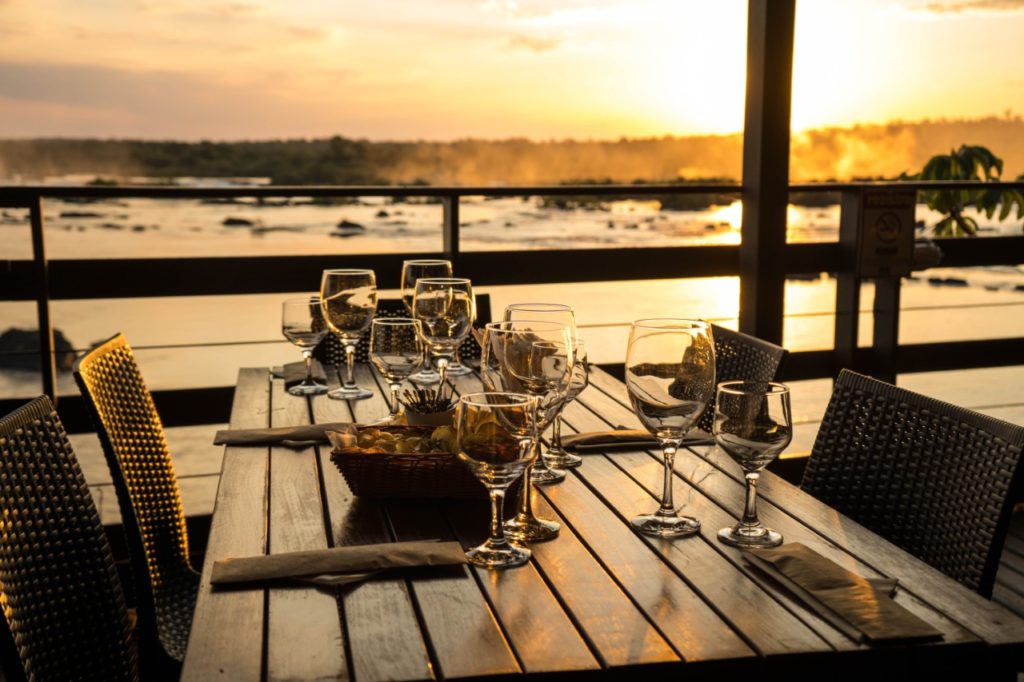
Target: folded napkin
[(859, 607), (337, 565), (625, 439), (290, 436), (294, 373)]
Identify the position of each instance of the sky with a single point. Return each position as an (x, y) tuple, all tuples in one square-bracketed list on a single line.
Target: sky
[(451, 69)]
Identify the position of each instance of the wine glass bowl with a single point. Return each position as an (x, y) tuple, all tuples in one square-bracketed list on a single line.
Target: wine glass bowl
[(348, 298), (670, 377), (302, 323), (444, 305), (396, 350), (753, 425), (494, 432)]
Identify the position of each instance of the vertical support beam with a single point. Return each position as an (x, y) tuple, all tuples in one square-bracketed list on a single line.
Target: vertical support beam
[(47, 358), (847, 325), (886, 328), (450, 229), (766, 166)]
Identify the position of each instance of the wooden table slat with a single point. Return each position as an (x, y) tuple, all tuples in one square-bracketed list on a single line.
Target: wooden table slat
[(297, 523), (226, 641), (923, 589)]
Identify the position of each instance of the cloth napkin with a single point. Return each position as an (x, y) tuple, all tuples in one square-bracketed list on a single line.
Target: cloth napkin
[(289, 436), (294, 373), (859, 607), (338, 565), (625, 439)]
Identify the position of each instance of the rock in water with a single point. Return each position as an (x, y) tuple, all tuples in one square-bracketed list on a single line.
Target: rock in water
[(232, 221), (25, 342)]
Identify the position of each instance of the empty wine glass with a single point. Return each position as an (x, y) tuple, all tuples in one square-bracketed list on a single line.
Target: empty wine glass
[(445, 307), (494, 432), (455, 367), (670, 375), (533, 357), (396, 350), (349, 301), (555, 457), (753, 424), (302, 323), (413, 270)]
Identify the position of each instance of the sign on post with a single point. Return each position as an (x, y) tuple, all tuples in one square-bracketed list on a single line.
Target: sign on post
[(886, 234)]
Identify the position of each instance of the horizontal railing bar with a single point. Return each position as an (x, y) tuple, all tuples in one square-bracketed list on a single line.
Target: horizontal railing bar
[(981, 251), (239, 275), (17, 195)]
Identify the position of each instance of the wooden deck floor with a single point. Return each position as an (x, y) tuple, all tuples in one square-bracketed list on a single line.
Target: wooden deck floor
[(1009, 589)]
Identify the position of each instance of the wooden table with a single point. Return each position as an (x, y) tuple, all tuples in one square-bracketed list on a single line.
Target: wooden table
[(599, 598)]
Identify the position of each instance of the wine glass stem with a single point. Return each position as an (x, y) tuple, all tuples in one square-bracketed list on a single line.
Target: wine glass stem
[(394, 385), (307, 355), (442, 369), (497, 528), (750, 508), (556, 431), (525, 507), (668, 507), (350, 365)]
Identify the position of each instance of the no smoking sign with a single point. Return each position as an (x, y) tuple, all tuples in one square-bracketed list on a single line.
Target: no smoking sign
[(886, 233)]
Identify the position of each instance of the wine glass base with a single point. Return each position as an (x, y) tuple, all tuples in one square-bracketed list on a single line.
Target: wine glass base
[(560, 459), (759, 536), (426, 378), (457, 369), (546, 476), (660, 526), (307, 389), (498, 556), (529, 528), (354, 393)]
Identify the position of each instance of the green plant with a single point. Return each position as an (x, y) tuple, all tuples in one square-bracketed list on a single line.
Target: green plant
[(969, 162)]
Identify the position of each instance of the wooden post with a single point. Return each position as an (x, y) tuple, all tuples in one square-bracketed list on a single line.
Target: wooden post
[(886, 328), (450, 229), (847, 324), (766, 167), (47, 358)]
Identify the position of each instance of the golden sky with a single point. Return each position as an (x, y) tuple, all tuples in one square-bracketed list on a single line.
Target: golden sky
[(447, 69)]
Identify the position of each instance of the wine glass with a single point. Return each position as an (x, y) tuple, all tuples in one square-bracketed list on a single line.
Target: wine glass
[(302, 323), (753, 424), (455, 367), (413, 270), (532, 357), (494, 432), (396, 350), (445, 307), (555, 457), (349, 301), (670, 375)]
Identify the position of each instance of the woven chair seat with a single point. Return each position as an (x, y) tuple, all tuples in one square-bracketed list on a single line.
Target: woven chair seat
[(741, 357), (933, 478), (65, 615), (132, 435)]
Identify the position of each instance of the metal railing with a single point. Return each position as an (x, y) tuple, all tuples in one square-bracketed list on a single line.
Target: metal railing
[(42, 280)]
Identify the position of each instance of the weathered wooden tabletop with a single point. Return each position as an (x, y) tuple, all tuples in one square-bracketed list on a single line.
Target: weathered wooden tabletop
[(599, 599)]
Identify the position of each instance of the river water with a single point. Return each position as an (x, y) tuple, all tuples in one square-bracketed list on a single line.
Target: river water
[(170, 333)]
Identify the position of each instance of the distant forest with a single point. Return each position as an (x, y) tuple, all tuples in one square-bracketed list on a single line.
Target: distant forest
[(867, 151)]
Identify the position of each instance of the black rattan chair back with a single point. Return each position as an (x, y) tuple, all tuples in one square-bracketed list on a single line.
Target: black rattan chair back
[(741, 356), (933, 478), (64, 609), (331, 352), (133, 440)]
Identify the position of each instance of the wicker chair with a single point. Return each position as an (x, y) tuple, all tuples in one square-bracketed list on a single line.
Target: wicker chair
[(140, 464), (931, 477), (741, 356), (65, 614), (331, 352)]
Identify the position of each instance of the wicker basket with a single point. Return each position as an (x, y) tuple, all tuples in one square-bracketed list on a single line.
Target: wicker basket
[(376, 474)]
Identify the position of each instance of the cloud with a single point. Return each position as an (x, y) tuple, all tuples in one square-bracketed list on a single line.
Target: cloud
[(534, 44), (974, 6)]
